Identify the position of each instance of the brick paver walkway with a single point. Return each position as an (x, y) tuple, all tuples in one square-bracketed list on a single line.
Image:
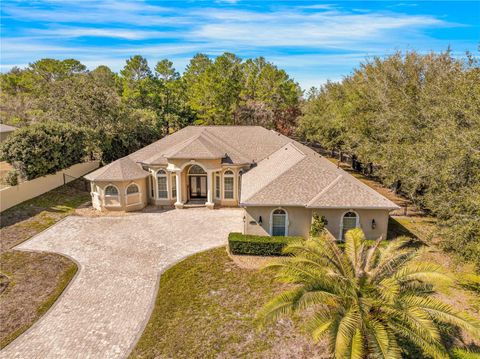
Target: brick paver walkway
[(105, 308)]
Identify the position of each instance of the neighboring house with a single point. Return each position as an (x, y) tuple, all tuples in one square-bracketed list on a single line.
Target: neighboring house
[(5, 131), (278, 181)]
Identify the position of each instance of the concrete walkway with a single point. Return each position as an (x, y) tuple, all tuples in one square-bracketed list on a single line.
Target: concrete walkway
[(105, 308)]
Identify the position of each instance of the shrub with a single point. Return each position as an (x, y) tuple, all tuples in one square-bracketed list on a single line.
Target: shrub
[(11, 178), (318, 225), (44, 148), (258, 245)]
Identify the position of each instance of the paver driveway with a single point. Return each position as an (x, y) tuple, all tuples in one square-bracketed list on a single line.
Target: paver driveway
[(105, 308)]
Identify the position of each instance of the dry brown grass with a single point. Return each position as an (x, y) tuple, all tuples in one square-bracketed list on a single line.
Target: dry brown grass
[(35, 282), (32, 281), (205, 308)]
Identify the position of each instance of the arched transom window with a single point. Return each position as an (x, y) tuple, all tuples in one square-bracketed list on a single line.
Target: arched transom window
[(132, 189), (349, 221), (279, 222), (196, 170), (111, 191), (228, 180), (162, 184)]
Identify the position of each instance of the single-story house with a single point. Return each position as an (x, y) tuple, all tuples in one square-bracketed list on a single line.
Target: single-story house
[(279, 182), (5, 131)]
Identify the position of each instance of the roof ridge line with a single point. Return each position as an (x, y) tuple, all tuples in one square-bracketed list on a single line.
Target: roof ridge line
[(286, 170), (226, 144), (323, 191)]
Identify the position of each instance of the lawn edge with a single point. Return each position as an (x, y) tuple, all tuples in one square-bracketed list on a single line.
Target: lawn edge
[(54, 299), (153, 299)]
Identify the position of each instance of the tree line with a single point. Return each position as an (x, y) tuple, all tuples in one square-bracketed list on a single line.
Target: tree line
[(417, 119), (122, 112)]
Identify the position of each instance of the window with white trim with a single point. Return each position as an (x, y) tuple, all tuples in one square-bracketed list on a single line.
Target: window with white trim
[(217, 185), (162, 184), (349, 221), (132, 189), (174, 185), (111, 191), (279, 222), (228, 185)]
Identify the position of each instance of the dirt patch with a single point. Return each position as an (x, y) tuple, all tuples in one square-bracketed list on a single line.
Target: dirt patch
[(249, 262), (36, 280)]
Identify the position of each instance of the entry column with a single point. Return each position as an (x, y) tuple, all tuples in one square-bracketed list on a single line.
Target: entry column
[(209, 202), (178, 183)]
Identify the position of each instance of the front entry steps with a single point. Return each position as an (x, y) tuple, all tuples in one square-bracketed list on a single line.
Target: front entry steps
[(196, 203)]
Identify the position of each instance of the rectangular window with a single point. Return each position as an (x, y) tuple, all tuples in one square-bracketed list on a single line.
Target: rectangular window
[(228, 187), (162, 187), (217, 186), (174, 186)]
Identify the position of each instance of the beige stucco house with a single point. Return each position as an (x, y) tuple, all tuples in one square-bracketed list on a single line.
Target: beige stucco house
[(279, 182)]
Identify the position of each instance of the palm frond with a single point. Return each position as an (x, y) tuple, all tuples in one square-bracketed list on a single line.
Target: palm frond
[(281, 305), (347, 327), (354, 244)]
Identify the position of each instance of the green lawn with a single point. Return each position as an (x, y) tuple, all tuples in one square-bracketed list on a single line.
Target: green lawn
[(33, 280), (205, 308)]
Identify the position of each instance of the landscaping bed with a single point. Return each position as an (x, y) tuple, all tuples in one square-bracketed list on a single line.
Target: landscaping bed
[(31, 282), (205, 308)]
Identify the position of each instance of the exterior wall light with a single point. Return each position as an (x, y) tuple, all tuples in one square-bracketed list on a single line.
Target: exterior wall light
[(260, 220), (374, 224)]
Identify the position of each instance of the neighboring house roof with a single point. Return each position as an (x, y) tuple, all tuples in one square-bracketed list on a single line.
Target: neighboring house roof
[(6, 128), (282, 171), (123, 169)]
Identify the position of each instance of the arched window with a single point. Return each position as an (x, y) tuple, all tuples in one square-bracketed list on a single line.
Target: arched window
[(132, 189), (111, 191), (196, 170), (350, 220), (162, 184), (228, 184), (279, 222)]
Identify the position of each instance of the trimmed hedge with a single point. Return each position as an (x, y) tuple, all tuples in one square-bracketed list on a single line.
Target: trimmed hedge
[(258, 245)]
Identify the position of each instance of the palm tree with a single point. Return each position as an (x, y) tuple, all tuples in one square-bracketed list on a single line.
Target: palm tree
[(366, 299)]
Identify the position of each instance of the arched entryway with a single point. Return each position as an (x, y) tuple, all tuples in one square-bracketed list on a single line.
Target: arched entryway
[(197, 183)]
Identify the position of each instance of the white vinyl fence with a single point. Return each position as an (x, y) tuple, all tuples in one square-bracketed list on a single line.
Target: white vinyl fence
[(11, 196)]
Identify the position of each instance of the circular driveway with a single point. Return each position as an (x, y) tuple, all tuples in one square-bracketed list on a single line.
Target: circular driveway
[(105, 308)]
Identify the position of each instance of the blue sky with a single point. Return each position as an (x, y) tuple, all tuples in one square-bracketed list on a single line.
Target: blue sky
[(314, 41)]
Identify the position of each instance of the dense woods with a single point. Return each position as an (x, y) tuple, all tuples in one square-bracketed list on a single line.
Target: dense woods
[(126, 111), (416, 118)]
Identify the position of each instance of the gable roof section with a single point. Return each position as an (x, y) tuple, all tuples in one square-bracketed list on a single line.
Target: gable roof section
[(311, 181), (123, 169), (269, 169)]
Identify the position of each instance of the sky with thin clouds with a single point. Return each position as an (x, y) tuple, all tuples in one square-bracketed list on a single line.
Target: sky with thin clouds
[(313, 41)]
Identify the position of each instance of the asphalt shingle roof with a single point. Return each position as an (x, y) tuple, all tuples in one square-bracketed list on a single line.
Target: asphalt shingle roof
[(6, 128), (283, 172), (122, 169)]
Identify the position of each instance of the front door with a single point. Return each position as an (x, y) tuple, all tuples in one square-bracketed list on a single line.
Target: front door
[(198, 187)]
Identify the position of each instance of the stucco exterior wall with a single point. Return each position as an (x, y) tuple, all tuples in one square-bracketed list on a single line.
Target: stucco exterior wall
[(299, 221), (123, 202), (334, 218)]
